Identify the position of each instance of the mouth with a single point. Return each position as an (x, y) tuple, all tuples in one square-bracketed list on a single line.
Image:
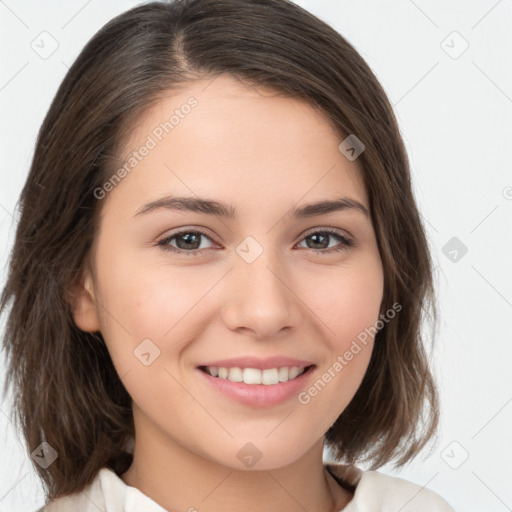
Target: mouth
[(256, 387), (255, 376), (257, 382)]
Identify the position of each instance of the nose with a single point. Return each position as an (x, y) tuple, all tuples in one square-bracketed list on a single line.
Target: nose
[(260, 299)]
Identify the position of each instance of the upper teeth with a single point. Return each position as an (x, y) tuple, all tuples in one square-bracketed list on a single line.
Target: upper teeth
[(255, 375)]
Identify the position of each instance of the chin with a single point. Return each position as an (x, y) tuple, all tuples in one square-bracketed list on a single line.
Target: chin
[(259, 454)]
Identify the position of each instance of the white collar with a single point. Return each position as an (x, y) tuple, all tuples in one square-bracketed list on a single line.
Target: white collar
[(374, 491), (121, 497)]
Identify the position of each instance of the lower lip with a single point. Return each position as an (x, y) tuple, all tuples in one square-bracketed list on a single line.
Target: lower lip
[(259, 395)]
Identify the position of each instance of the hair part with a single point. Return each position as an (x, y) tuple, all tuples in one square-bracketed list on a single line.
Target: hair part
[(67, 391)]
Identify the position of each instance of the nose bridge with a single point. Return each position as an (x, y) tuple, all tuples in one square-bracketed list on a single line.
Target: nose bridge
[(262, 300), (258, 265)]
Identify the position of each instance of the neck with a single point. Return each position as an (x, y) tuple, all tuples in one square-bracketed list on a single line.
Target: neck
[(180, 480)]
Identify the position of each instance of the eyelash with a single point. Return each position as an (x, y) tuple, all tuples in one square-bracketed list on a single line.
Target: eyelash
[(345, 241)]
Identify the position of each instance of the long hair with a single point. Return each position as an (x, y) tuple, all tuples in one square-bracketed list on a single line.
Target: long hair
[(66, 389)]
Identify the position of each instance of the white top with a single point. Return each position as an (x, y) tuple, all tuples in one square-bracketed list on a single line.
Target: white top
[(374, 492)]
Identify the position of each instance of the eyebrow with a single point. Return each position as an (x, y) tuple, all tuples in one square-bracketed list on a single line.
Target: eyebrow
[(210, 207)]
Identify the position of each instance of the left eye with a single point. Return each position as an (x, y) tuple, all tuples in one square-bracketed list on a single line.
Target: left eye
[(319, 237), (189, 242)]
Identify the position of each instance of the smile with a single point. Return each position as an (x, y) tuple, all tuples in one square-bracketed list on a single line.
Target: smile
[(252, 376), (257, 387)]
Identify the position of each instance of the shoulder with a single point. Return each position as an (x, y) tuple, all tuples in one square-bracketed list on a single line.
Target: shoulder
[(89, 499), (375, 491), (107, 492), (396, 493)]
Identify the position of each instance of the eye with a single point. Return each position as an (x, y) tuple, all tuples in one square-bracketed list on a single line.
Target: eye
[(320, 238), (188, 241)]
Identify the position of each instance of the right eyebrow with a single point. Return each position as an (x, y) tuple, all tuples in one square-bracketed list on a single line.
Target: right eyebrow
[(191, 204)]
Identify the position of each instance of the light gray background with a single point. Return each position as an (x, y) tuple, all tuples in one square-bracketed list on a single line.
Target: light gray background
[(455, 115)]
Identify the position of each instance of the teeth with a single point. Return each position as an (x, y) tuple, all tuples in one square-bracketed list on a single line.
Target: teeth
[(252, 376), (294, 371), (235, 375), (270, 376), (256, 376)]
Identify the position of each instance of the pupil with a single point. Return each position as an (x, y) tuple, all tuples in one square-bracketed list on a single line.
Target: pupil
[(316, 236), (188, 237)]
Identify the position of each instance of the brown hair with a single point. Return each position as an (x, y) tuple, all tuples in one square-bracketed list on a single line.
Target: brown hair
[(67, 391)]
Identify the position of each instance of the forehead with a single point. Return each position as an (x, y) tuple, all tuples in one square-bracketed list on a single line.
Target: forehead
[(220, 137)]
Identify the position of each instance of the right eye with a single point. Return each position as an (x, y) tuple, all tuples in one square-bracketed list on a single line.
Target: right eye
[(188, 242)]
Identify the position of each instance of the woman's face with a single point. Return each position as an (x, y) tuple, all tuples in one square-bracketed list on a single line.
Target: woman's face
[(248, 283)]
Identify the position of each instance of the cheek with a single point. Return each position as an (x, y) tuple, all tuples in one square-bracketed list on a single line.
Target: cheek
[(148, 318), (350, 313), (156, 302), (348, 301)]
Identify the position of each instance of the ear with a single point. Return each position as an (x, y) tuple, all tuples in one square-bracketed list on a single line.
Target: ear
[(83, 304)]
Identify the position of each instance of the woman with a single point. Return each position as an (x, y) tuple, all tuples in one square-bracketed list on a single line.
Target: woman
[(211, 376)]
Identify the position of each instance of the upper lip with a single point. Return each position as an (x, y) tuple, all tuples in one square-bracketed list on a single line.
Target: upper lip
[(257, 362)]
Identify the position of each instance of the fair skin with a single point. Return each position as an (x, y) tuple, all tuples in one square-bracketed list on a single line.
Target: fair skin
[(265, 155)]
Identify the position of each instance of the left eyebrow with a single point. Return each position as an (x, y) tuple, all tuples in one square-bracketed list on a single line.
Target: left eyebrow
[(209, 207), (323, 207)]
